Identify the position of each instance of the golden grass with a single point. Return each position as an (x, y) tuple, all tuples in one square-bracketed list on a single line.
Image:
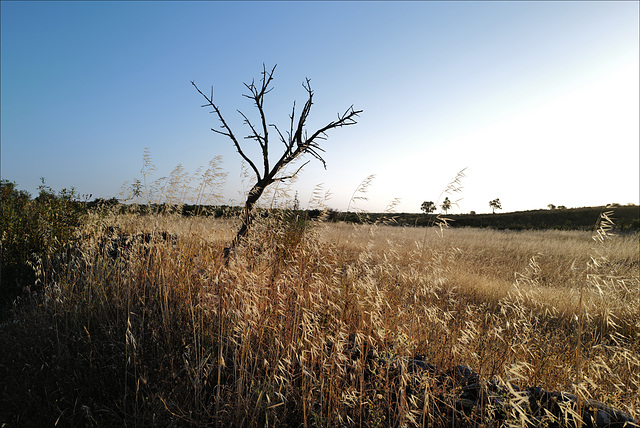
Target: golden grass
[(170, 335), (547, 266)]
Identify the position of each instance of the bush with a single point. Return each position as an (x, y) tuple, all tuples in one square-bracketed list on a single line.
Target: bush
[(33, 235)]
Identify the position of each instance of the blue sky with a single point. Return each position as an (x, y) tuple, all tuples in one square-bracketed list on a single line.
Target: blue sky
[(539, 101)]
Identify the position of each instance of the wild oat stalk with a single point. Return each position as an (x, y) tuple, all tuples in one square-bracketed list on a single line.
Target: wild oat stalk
[(454, 186), (360, 194)]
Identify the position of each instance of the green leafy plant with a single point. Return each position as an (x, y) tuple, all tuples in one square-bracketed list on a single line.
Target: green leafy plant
[(33, 235)]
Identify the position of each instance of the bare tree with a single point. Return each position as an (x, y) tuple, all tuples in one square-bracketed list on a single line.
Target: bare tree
[(297, 142)]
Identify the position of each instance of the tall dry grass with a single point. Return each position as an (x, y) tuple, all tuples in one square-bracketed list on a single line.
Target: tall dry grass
[(166, 334)]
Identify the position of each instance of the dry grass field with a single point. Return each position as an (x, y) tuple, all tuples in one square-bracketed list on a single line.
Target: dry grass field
[(163, 333)]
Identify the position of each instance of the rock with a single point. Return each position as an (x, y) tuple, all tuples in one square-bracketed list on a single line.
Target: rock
[(470, 393), (116, 244), (463, 375), (594, 413)]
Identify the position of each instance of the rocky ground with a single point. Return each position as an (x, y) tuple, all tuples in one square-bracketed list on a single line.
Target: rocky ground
[(468, 400)]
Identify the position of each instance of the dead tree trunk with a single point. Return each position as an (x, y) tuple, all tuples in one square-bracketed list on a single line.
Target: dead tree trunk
[(297, 142)]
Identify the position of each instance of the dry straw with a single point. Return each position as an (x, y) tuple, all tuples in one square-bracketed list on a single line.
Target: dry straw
[(163, 332)]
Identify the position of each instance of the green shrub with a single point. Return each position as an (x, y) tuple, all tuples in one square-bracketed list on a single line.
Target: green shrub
[(34, 235)]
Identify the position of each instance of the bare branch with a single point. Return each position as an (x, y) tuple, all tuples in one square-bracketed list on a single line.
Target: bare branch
[(292, 117), (229, 133), (266, 80), (306, 144), (292, 175), (255, 136), (348, 118), (226, 134), (305, 113), (279, 133), (258, 97), (317, 156)]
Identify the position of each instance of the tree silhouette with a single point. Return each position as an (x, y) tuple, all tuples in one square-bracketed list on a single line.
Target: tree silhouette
[(297, 142), (495, 205), (428, 207), (446, 204)]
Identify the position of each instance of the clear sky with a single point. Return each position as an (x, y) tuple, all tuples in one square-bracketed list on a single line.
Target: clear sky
[(539, 101)]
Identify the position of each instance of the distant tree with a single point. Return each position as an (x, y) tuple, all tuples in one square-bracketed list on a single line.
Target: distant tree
[(446, 205), (428, 207), (297, 142), (562, 207), (472, 213), (495, 205), (296, 203), (136, 188), (551, 207)]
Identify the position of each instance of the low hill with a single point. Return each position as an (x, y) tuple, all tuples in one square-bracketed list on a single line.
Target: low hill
[(625, 217)]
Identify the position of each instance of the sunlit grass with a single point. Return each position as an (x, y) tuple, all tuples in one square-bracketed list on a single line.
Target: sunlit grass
[(166, 333)]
